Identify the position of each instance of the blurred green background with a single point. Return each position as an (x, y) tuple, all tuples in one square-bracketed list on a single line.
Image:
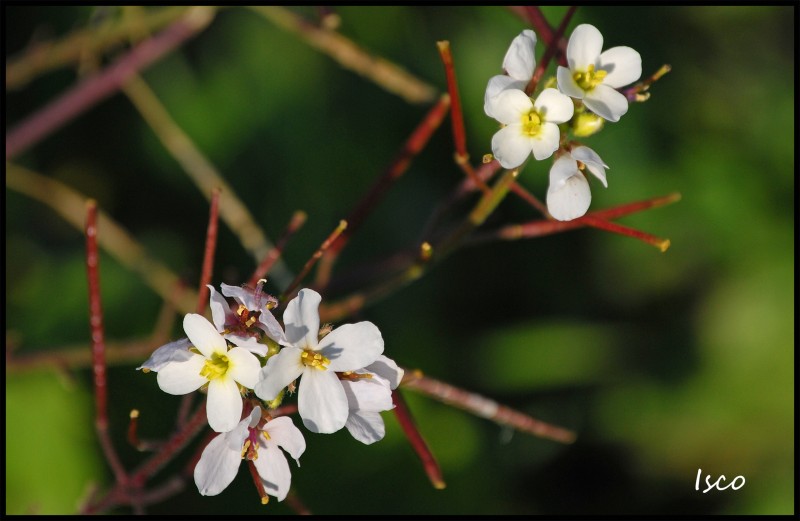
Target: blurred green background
[(663, 363)]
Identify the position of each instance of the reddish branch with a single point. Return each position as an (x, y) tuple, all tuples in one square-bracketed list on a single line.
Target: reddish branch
[(208, 257), (98, 344), (552, 46), (297, 221), (314, 258), (403, 415), (93, 90), (485, 408)]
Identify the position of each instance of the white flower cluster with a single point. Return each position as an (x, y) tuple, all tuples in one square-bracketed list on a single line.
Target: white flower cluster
[(345, 381), (586, 96)]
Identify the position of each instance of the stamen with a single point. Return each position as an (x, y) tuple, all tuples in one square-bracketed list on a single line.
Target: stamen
[(245, 447), (531, 123), (315, 360), (589, 79), (215, 367)]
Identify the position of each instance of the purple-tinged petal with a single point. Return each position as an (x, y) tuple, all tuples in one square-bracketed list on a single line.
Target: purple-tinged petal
[(366, 427), (220, 460), (283, 433), (177, 351), (220, 311), (274, 471)]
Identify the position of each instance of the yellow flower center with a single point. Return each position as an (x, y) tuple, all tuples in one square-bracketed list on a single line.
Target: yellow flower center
[(217, 366), (590, 78), (315, 360), (531, 123)]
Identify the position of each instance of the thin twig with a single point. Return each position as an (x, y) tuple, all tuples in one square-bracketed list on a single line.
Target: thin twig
[(205, 176), (288, 292), (208, 257), (484, 407), (414, 144), (552, 47), (115, 240), (298, 220), (350, 56), (91, 91), (98, 344), (418, 443)]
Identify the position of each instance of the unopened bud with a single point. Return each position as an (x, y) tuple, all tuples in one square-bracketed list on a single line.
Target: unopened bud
[(585, 124)]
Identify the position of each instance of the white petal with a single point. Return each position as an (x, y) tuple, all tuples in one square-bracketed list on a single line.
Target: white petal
[(593, 162), (510, 147), (280, 370), (520, 59), (254, 418), (366, 427), (571, 200), (546, 142), (248, 342), (554, 106), (623, 66), (367, 394), (182, 377), (606, 102), (498, 84), (244, 367), (563, 168), (510, 105), (203, 335), (567, 84), (274, 471), (282, 431), (220, 460), (386, 368), (177, 351), (219, 308), (224, 406), (270, 325), (321, 401), (352, 346), (584, 47), (302, 319)]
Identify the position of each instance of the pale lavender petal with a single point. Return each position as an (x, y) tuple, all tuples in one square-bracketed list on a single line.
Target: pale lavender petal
[(280, 370), (623, 66), (203, 335), (352, 346), (366, 427), (219, 308), (244, 367), (220, 460), (321, 401), (270, 325), (224, 406), (282, 432), (302, 319), (387, 369), (554, 106), (510, 105), (567, 83), (510, 146), (546, 142), (182, 377), (606, 102), (571, 200), (520, 59), (244, 296), (584, 47), (274, 471), (177, 351)]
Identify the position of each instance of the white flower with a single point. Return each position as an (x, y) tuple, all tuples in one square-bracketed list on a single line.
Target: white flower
[(568, 195), (594, 76), (519, 63), (177, 351), (216, 366), (368, 396), (242, 324), (531, 126), (219, 462), (321, 400)]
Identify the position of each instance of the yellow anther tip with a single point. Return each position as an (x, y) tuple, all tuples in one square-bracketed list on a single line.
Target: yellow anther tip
[(134, 413), (664, 245), (439, 485), (265, 500)]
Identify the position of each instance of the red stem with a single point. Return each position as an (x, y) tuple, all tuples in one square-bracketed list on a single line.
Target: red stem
[(313, 260), (208, 257), (93, 90), (552, 47), (456, 115), (99, 344), (417, 442), (297, 222)]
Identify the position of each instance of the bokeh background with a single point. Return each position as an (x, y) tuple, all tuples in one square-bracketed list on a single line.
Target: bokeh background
[(662, 363)]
